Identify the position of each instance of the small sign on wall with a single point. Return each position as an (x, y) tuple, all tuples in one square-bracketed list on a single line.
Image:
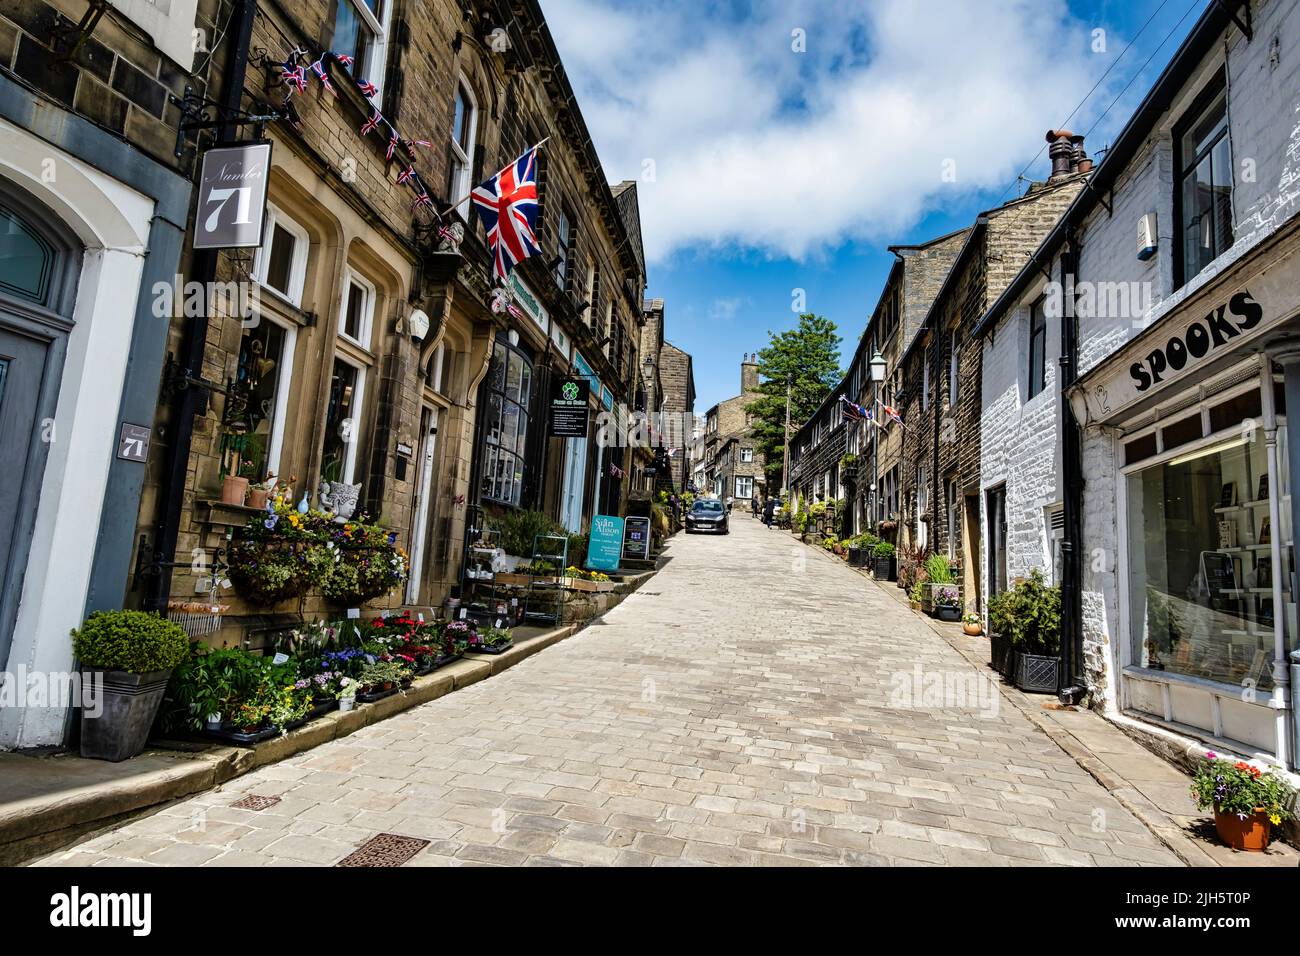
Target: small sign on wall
[(133, 442), (232, 196)]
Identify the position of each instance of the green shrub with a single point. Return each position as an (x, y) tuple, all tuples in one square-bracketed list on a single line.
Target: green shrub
[(518, 528), (883, 549), (131, 641), (938, 570), (1029, 615)]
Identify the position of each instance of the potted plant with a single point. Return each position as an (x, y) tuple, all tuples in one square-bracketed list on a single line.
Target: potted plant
[(1248, 802), (259, 492), (1002, 656), (938, 575), (491, 640), (883, 561), (347, 693), (234, 486), (972, 625), (128, 657), (947, 602), (914, 596), (1028, 617)]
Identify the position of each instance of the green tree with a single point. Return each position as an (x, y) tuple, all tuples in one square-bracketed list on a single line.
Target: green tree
[(808, 357)]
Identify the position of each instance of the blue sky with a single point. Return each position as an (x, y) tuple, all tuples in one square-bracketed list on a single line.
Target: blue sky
[(781, 146)]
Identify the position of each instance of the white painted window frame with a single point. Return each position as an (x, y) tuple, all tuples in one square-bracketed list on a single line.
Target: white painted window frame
[(350, 459), (463, 158), (351, 276), (298, 265)]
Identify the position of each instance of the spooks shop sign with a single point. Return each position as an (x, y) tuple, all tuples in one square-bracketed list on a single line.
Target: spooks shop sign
[(1191, 339)]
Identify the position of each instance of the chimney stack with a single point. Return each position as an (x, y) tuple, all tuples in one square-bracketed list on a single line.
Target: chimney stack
[(749, 373), (1061, 152)]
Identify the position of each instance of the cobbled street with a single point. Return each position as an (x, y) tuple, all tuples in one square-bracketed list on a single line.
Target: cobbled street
[(754, 703)]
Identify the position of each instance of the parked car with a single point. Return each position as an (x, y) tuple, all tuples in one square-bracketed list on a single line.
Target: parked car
[(707, 514)]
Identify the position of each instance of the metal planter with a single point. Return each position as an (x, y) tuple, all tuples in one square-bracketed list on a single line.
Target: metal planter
[(1037, 673), (128, 705)]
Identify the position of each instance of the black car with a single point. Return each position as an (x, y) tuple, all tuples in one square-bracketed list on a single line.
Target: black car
[(707, 514)]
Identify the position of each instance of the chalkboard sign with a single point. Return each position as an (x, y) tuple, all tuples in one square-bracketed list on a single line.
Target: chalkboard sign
[(636, 538)]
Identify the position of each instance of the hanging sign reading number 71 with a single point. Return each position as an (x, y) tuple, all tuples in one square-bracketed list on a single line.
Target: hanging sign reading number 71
[(232, 196)]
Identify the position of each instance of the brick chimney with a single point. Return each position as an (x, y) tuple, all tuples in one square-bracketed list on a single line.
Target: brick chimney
[(749, 373), (1061, 152)]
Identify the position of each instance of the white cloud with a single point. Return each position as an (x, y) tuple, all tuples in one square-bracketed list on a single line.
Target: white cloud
[(758, 147)]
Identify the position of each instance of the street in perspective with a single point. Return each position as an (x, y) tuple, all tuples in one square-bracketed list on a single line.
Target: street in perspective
[(608, 434)]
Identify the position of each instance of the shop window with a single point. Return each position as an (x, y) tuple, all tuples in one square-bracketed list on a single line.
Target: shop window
[(357, 309), (1201, 591), (342, 418), (1236, 412), (281, 262), (361, 31), (1139, 448), (253, 420), (1204, 167), (464, 131), (563, 238), (1181, 432), (508, 390)]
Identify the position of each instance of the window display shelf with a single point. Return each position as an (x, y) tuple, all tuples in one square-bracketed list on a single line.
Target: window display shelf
[(1246, 506)]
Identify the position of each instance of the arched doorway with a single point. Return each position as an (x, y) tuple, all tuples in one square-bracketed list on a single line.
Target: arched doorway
[(39, 267)]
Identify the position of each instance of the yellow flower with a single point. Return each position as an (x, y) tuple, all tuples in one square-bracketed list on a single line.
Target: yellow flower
[(1275, 818)]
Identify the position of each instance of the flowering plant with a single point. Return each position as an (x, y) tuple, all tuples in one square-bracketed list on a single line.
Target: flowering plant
[(971, 618), (347, 688), (456, 636), (574, 571), (490, 637), (1240, 789), (948, 596), (383, 672)]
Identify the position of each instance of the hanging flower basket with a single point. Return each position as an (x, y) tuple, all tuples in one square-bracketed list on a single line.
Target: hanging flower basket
[(268, 572)]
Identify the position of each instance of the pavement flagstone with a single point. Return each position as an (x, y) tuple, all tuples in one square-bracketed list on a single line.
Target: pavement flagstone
[(753, 704)]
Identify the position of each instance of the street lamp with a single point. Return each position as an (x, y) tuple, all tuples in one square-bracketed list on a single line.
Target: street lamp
[(878, 365)]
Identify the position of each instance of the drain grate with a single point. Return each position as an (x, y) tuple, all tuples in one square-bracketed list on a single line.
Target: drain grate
[(386, 849), (255, 802)]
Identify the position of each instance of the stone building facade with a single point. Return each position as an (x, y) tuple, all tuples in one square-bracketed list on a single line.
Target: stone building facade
[(376, 356), (734, 467), (942, 380), (677, 376), (93, 205)]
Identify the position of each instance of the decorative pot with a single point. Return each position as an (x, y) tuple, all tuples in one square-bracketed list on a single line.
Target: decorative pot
[(234, 489), (973, 630), (947, 612), (212, 722), (119, 727), (1251, 834), (1037, 673), (347, 703), (914, 605), (257, 498), (1001, 656)]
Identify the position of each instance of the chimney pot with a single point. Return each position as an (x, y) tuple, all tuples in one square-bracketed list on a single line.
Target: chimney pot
[(1060, 151)]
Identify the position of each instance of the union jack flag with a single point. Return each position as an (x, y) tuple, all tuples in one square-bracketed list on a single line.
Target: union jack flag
[(854, 411), (405, 175), (393, 140), (343, 58), (891, 412), (293, 76), (421, 142), (372, 124), (422, 198), (319, 69), (367, 88), (507, 204)]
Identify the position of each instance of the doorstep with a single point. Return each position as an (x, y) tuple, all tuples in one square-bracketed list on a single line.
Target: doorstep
[(1149, 787)]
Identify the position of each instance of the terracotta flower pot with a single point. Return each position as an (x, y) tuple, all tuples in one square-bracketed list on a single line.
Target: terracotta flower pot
[(1251, 834), (974, 630), (233, 490), (257, 498)]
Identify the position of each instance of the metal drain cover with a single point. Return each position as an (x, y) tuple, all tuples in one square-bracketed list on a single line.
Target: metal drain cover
[(386, 849), (255, 802)]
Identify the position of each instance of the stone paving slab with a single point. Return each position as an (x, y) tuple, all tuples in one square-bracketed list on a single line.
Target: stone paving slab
[(757, 705)]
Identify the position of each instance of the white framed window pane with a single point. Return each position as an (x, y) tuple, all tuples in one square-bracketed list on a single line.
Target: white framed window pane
[(354, 311), (341, 422), (509, 425), (279, 260), (514, 376)]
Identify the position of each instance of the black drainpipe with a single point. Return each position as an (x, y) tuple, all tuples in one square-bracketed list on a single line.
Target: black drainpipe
[(1072, 685), (933, 536), (186, 404)]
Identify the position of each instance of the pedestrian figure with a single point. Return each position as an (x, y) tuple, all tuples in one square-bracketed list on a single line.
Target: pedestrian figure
[(753, 506), (730, 502), (769, 510)]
